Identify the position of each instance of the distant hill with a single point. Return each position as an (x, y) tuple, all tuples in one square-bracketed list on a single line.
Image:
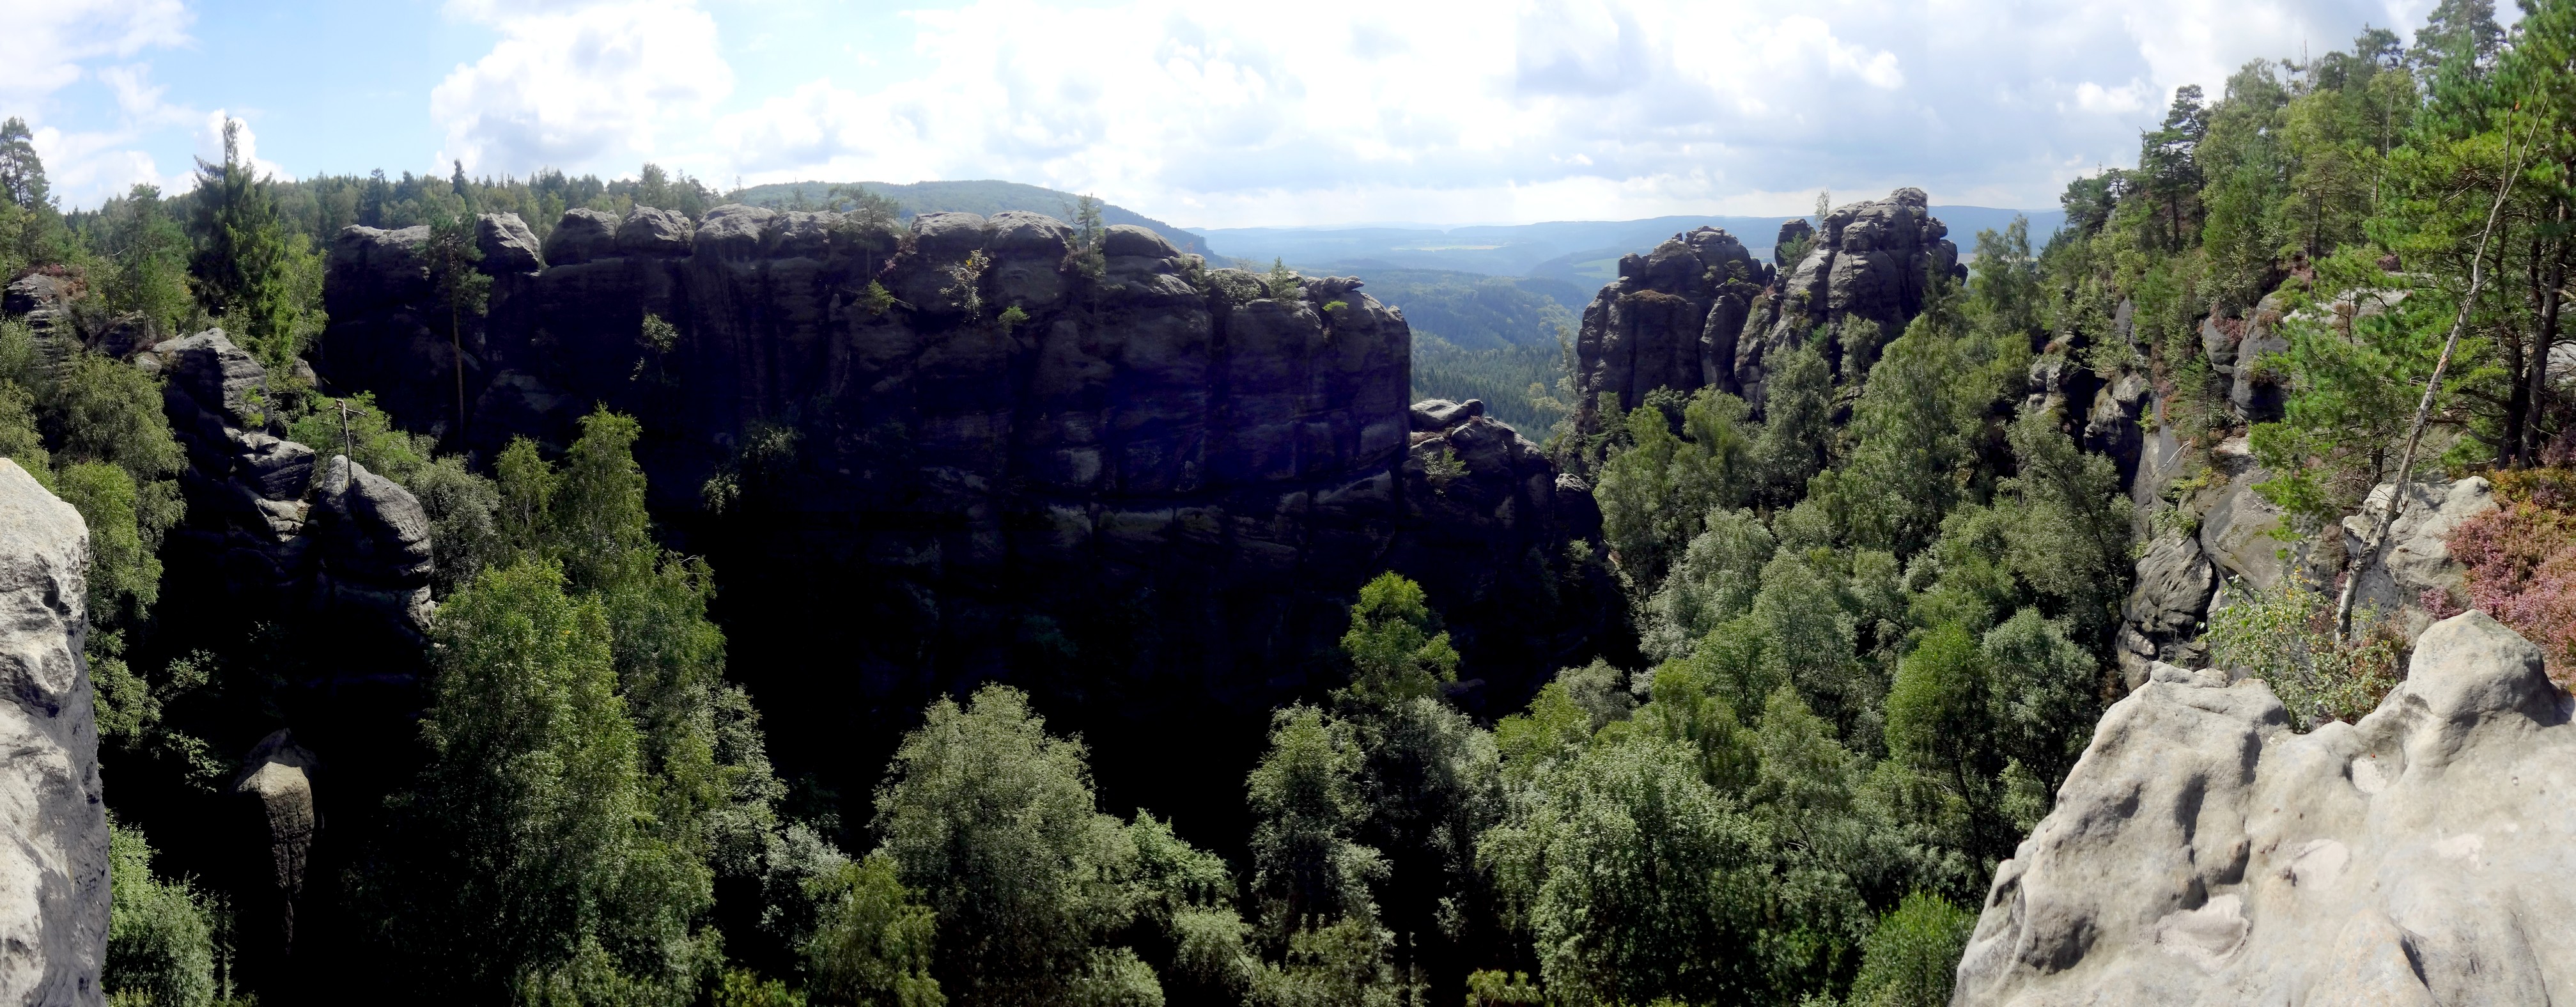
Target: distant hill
[(1582, 252), (986, 197)]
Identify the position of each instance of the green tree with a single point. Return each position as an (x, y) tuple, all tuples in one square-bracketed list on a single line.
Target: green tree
[(873, 943), (1394, 653), (992, 821), (247, 264), (163, 943), (1912, 957)]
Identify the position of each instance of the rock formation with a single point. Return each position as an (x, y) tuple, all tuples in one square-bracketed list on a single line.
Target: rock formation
[(2415, 561), (1670, 320), (273, 804), (1700, 312), (350, 549), (2201, 853), (53, 868), (1873, 261), (953, 450)]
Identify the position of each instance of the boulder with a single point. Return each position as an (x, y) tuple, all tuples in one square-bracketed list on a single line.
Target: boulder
[(581, 236), (53, 869), (2202, 853), (2239, 534), (655, 232), (507, 244), (2416, 557), (223, 378)]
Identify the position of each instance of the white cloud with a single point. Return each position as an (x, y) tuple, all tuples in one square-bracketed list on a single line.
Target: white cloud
[(47, 47), (581, 85), (1223, 114), (46, 42), (210, 145)]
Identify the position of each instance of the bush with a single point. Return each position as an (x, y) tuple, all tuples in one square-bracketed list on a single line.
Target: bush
[(1912, 958), (163, 945), (871, 943), (2286, 638), (2521, 560)]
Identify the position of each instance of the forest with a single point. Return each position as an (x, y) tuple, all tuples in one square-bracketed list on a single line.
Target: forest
[(1874, 613)]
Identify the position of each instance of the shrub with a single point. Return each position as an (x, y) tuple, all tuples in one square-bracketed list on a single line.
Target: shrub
[(162, 935), (1911, 958), (2286, 638), (2521, 560)]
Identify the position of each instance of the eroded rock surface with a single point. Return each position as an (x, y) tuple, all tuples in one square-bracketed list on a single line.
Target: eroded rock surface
[(1671, 318), (53, 866), (1872, 262), (2201, 853), (954, 449), (2416, 557)]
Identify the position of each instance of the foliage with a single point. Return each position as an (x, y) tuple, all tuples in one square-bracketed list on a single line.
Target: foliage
[(1912, 957), (2285, 636), (992, 821), (2521, 560), (165, 938), (261, 281), (872, 944), (1394, 653)]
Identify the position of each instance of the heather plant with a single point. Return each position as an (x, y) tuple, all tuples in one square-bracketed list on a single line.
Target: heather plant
[(2521, 560)]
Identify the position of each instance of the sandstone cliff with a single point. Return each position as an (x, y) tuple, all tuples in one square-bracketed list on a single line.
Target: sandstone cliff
[(973, 448), (53, 869), (1700, 312), (2202, 853)]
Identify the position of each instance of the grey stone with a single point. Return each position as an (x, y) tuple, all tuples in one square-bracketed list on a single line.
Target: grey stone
[(1442, 414), (2160, 621), (507, 244), (222, 377), (945, 235), (655, 232), (2239, 534), (2201, 853), (2416, 558), (1669, 321), (1872, 261), (53, 869), (581, 236), (730, 232), (1129, 239)]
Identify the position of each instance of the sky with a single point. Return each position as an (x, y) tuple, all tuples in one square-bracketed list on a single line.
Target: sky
[(1201, 114)]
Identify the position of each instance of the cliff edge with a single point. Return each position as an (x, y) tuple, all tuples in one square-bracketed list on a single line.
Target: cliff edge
[(53, 871)]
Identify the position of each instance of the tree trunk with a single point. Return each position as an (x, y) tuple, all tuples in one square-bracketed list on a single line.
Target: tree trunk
[(2536, 401)]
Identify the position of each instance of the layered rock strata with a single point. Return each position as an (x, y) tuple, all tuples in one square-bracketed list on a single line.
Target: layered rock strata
[(1670, 320), (945, 446), (2202, 853), (53, 868), (1872, 262)]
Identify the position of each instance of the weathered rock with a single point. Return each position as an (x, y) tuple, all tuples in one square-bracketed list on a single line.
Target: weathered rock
[(2416, 557), (2161, 619), (1156, 442), (1670, 320), (657, 232), (1872, 261), (582, 235), (273, 802), (1792, 231), (2114, 426), (2201, 853), (507, 244), (2240, 535), (45, 304), (221, 377), (53, 868), (2255, 395)]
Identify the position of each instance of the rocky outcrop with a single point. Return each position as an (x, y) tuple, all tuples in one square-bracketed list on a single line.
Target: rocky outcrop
[(273, 803), (2415, 560), (1670, 320), (53, 868), (966, 447), (350, 548), (2161, 620), (1488, 520), (1873, 261), (2202, 853)]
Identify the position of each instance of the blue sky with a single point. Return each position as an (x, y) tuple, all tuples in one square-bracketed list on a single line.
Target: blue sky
[(1219, 115)]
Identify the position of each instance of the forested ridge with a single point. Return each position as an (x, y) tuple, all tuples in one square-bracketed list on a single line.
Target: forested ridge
[(1876, 609)]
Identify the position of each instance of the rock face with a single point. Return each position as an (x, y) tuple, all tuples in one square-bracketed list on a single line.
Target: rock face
[(2201, 853), (351, 548), (938, 451), (273, 803), (2161, 620), (1700, 312), (1872, 261), (1671, 318), (53, 869), (2416, 558)]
